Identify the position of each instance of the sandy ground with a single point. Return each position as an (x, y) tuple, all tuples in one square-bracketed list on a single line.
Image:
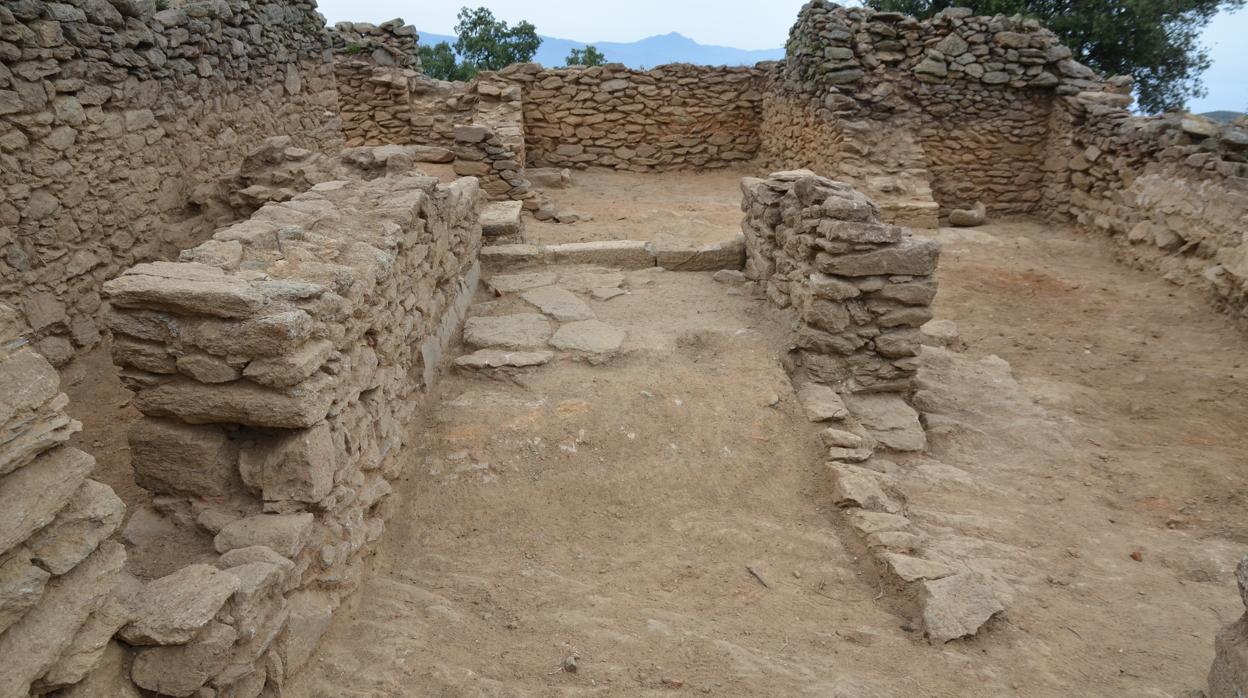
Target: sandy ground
[(610, 512)]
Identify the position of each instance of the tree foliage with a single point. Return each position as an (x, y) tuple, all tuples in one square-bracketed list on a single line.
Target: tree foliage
[(1157, 42), (438, 61), (482, 43), (589, 57), (487, 43)]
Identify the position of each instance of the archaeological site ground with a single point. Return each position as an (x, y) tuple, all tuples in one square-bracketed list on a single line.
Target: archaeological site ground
[(912, 365)]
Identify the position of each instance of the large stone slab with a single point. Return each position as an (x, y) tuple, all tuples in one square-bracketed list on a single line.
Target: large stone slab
[(173, 609), (957, 606), (821, 403), (910, 257), (520, 331), (559, 303), (502, 218), (181, 670), (889, 420), (683, 256), (241, 402), (501, 257), (620, 254), (514, 283), (31, 497), (171, 457), (90, 516), (590, 337), (497, 358), (195, 289), (21, 585), (286, 534)]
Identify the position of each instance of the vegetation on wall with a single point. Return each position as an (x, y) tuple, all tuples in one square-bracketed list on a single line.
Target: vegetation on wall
[(1157, 42), (589, 56)]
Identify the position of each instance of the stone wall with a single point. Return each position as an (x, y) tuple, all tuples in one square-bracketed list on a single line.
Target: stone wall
[(375, 103), (113, 114), (59, 575), (670, 118), (1171, 190), (955, 108), (277, 368), (860, 288), (391, 43)]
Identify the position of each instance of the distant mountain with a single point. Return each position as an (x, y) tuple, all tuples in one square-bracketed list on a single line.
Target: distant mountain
[(1225, 117), (646, 53)]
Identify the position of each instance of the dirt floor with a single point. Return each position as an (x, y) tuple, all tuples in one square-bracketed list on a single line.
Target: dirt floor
[(610, 512)]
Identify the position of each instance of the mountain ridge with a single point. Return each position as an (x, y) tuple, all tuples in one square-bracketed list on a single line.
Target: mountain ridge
[(648, 52)]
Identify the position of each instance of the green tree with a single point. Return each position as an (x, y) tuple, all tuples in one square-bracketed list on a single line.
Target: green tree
[(486, 43), (1157, 42), (438, 61), (590, 56)]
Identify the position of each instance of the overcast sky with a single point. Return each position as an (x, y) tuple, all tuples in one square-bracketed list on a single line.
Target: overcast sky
[(747, 24)]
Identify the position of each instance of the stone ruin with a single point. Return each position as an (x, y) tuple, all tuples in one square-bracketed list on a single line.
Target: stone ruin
[(279, 361)]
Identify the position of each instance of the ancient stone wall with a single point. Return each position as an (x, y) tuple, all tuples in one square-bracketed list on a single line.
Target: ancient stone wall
[(1172, 190), (955, 107), (277, 367), (670, 118), (860, 288), (113, 114), (391, 43), (59, 574), (375, 103)]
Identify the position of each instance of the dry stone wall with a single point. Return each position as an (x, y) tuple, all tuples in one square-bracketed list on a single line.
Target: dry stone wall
[(391, 43), (60, 577), (670, 118), (277, 367), (860, 288), (1171, 190), (114, 113)]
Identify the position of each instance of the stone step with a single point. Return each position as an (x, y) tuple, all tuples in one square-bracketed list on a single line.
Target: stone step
[(502, 218), (619, 254)]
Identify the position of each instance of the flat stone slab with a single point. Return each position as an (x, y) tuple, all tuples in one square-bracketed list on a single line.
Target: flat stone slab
[(515, 283), (821, 403), (889, 420), (621, 254), (496, 358), (683, 256), (502, 218), (590, 336), (957, 606), (586, 279), (607, 293), (559, 303), (520, 331)]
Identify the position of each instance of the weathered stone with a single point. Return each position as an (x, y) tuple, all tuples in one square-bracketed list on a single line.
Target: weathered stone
[(186, 288), (620, 254), (502, 218), (521, 331), (240, 402), (903, 570), (181, 670), (310, 615), (90, 516), (294, 465), (31, 497), (175, 458), (203, 368), (290, 369), (514, 283), (286, 534), (853, 486), (495, 358), (21, 585), (32, 645), (558, 303), (957, 606), (588, 336), (821, 403), (90, 643), (111, 677), (889, 420), (679, 256), (172, 610), (969, 217), (911, 257)]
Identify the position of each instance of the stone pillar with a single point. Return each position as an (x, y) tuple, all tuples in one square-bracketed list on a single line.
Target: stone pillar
[(860, 288)]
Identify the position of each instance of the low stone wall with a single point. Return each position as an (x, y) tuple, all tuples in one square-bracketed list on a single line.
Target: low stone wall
[(375, 103), (59, 574), (670, 118), (860, 288), (1172, 190), (277, 368), (390, 43), (112, 115)]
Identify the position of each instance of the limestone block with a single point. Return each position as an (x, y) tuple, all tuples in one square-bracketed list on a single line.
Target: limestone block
[(889, 420), (520, 331), (911, 257), (821, 403), (286, 370), (620, 254), (590, 337), (514, 283), (558, 303), (90, 644), (681, 256), (957, 606), (294, 465), (310, 616), (181, 670), (31, 497), (90, 516), (240, 402), (110, 677), (495, 358), (502, 218), (857, 487), (21, 585), (195, 289), (171, 457), (286, 534), (172, 610)]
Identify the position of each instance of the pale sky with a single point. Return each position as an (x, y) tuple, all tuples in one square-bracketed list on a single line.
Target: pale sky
[(747, 24)]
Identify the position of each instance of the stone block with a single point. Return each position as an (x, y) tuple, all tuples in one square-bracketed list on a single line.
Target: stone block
[(502, 218), (89, 518), (174, 609), (520, 331), (678, 256), (957, 606), (241, 402), (171, 457), (558, 303), (857, 487), (294, 465), (181, 670), (889, 420), (911, 257), (194, 289), (289, 369), (21, 585), (31, 497), (619, 254), (286, 534), (821, 403)]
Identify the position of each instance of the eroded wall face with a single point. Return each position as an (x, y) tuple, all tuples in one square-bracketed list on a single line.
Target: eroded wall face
[(113, 115)]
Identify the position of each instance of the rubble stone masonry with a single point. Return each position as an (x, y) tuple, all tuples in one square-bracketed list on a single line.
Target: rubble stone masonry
[(112, 114)]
